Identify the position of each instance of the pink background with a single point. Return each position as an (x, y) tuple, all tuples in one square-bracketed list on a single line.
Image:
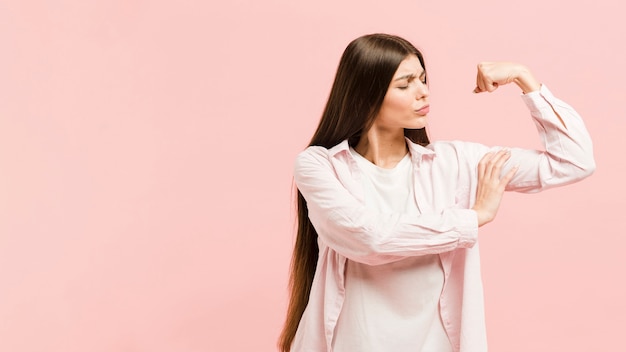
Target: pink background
[(146, 150)]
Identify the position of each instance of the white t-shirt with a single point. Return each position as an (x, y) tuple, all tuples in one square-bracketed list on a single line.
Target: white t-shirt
[(394, 304)]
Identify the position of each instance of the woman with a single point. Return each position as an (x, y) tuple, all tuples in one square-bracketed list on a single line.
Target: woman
[(386, 256)]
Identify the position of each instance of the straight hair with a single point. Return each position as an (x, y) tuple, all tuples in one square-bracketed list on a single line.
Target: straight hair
[(361, 82)]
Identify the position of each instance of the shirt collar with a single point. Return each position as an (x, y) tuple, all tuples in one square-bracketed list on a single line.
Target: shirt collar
[(416, 150), (419, 152)]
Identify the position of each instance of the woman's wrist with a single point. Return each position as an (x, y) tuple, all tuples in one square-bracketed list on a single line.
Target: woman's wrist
[(481, 216), (526, 81)]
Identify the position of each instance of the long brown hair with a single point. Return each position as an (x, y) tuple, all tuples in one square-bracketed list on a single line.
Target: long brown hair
[(363, 77)]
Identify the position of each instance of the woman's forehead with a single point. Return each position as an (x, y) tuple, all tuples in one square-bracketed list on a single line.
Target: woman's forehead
[(409, 66)]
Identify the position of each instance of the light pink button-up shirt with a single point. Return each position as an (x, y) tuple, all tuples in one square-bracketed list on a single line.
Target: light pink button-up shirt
[(445, 182)]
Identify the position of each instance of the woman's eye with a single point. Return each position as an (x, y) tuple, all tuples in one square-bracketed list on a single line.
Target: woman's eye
[(403, 87)]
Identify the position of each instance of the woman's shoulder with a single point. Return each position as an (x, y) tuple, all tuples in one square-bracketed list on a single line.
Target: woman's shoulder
[(458, 149), (320, 152), (313, 156), (455, 145), (313, 152)]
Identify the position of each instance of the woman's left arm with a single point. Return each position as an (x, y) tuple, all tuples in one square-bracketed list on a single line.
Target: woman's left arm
[(568, 154)]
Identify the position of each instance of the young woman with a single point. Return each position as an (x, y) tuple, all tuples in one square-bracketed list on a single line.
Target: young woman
[(386, 256)]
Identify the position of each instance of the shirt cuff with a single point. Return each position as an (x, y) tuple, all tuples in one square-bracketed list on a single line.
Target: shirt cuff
[(469, 228), (539, 99)]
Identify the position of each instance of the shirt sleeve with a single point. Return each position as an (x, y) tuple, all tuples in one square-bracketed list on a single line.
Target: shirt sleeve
[(367, 236), (568, 154)]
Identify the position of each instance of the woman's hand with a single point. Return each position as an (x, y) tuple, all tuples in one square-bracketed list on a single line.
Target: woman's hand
[(490, 186), (491, 75)]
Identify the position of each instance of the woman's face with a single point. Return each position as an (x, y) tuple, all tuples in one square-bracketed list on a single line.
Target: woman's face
[(406, 102)]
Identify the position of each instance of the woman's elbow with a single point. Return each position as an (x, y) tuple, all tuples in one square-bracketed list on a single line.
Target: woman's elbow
[(586, 168)]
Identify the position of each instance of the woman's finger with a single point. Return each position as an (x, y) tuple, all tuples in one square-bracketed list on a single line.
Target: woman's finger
[(480, 83), (504, 181), (482, 164), (490, 164), (498, 161), (491, 86)]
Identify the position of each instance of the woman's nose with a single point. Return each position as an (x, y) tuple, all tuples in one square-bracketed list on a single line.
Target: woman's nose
[(422, 91)]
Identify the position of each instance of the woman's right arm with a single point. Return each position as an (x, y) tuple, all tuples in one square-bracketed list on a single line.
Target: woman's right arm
[(367, 236)]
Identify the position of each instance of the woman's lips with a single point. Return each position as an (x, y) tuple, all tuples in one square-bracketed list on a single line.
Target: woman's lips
[(423, 110)]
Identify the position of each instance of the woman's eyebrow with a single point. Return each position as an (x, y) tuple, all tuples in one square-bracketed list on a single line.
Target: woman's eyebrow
[(411, 75)]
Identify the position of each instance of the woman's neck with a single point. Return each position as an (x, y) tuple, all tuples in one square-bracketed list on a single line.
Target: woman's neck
[(382, 148)]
